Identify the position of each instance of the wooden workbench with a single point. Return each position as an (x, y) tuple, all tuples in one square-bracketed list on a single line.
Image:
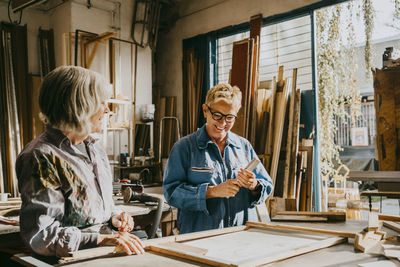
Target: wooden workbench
[(11, 242), (338, 255)]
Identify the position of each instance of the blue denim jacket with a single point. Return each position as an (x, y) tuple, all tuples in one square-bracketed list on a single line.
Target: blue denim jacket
[(194, 163)]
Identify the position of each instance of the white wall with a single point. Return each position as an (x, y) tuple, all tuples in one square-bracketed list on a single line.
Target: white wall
[(202, 16)]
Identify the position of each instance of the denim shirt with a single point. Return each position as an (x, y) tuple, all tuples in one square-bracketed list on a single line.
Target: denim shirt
[(196, 162), (63, 192)]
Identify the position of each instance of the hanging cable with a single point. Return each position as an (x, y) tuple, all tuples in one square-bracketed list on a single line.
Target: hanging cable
[(9, 15)]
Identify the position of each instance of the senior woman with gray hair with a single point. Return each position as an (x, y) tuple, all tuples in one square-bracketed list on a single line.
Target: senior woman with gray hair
[(205, 176), (64, 175)]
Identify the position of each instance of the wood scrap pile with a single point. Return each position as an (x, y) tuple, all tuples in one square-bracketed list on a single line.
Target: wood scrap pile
[(373, 240)]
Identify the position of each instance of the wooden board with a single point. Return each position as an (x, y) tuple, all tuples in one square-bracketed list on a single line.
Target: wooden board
[(298, 218), (387, 110), (37, 124), (374, 176), (241, 54), (331, 216), (389, 218), (253, 246), (289, 185), (309, 175), (392, 225), (280, 110), (392, 186)]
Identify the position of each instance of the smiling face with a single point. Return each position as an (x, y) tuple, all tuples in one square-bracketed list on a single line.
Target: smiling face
[(97, 118), (217, 129)]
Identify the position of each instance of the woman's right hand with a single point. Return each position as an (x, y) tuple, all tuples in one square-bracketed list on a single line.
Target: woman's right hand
[(225, 189), (131, 244)]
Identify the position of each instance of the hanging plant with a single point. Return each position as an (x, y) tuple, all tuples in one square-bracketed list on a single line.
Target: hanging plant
[(337, 83), (369, 14), (397, 9)]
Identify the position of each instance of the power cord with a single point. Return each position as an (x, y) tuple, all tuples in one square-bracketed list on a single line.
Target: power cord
[(9, 15)]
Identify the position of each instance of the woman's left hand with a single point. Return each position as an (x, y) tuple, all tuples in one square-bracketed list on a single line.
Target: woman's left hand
[(124, 222), (247, 179)]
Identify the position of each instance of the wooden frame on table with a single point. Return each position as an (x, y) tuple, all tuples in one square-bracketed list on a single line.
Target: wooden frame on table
[(184, 246), (248, 245)]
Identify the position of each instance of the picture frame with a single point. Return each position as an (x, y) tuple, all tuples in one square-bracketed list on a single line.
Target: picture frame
[(359, 136)]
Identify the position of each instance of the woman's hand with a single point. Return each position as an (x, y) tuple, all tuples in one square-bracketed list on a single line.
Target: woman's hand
[(129, 243), (124, 222), (225, 189), (247, 179)]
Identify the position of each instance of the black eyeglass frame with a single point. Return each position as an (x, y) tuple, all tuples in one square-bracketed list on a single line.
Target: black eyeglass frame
[(219, 116)]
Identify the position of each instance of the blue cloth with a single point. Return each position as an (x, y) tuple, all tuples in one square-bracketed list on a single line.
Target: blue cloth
[(196, 162)]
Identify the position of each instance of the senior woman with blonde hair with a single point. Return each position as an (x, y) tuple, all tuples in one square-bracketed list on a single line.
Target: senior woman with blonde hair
[(205, 176), (64, 175)]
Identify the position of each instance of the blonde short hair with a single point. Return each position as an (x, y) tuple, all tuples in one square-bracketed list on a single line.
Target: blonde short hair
[(69, 96), (225, 92)]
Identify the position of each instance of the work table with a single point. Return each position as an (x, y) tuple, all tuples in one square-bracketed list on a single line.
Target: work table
[(338, 255)]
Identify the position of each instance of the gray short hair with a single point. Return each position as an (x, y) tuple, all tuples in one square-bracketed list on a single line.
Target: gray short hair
[(225, 92), (69, 96)]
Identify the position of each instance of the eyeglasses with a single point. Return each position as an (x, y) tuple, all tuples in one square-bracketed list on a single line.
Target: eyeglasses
[(218, 116)]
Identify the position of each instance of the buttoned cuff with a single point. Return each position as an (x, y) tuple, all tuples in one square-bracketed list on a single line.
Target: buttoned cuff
[(266, 189), (201, 203)]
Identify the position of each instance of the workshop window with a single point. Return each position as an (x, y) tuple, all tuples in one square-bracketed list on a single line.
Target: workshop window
[(225, 46), (286, 43)]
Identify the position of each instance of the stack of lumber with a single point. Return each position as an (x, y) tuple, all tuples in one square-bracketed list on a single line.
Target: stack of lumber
[(193, 85), (288, 160), (270, 119)]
